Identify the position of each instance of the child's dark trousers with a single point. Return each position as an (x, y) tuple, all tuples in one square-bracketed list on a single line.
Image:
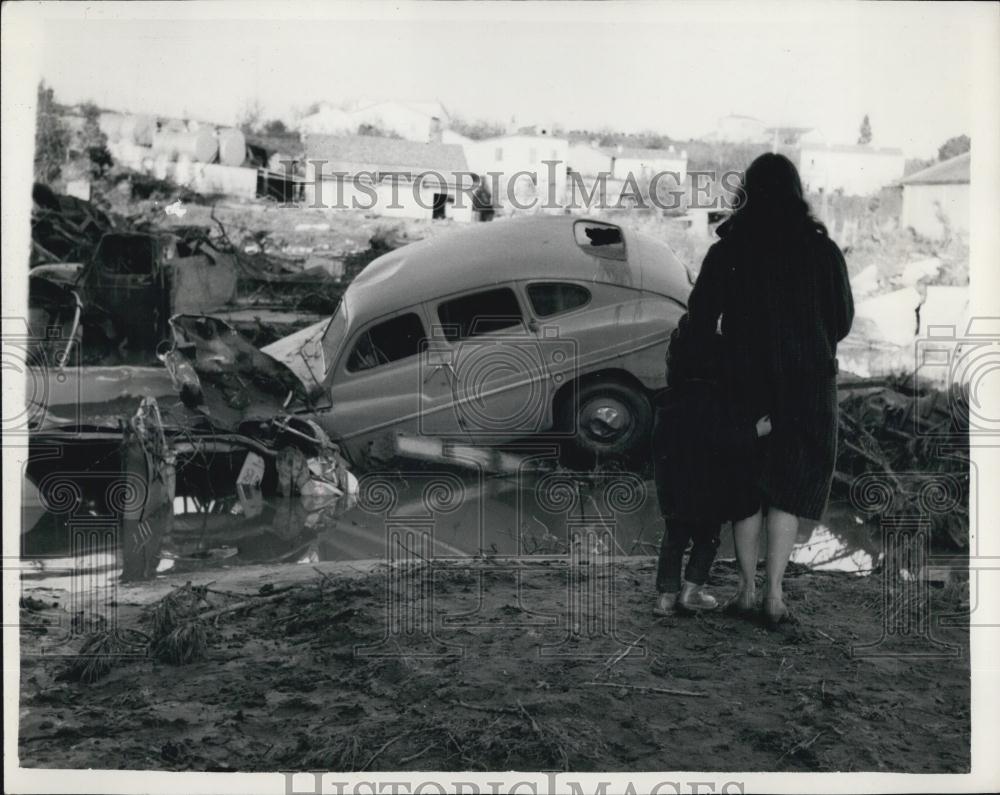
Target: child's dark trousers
[(704, 540)]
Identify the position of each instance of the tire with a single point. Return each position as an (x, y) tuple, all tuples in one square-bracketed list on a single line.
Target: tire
[(612, 422)]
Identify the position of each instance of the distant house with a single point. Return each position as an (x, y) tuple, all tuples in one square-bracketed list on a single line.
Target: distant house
[(643, 163), (856, 170), (786, 135), (588, 159), (414, 121), (389, 176), (521, 169), (587, 165), (936, 199)]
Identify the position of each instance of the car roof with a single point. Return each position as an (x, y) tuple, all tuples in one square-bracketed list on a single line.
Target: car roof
[(481, 255)]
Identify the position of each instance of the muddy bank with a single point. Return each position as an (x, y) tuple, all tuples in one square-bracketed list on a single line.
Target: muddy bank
[(489, 665)]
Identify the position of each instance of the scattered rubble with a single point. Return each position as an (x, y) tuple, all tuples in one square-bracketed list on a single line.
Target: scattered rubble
[(904, 450)]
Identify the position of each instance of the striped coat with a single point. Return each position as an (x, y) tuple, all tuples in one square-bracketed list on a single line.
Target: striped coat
[(785, 302)]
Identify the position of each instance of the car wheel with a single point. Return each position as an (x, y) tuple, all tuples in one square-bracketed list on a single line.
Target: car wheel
[(612, 422)]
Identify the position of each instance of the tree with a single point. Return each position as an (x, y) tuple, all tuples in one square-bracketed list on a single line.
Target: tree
[(476, 130), (376, 131), (51, 137), (274, 127), (93, 141), (865, 133), (953, 147), (250, 117)]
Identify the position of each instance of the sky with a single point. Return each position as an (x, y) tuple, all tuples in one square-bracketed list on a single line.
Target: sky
[(671, 67)]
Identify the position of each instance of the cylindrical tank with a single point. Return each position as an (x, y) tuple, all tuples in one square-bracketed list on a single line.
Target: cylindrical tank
[(200, 146), (138, 129), (232, 147), (182, 170)]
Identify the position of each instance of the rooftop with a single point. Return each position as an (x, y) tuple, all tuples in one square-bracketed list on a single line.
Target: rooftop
[(639, 153), (954, 171), (352, 153)]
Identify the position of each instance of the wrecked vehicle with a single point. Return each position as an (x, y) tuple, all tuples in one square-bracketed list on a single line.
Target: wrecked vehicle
[(547, 325), (134, 282)]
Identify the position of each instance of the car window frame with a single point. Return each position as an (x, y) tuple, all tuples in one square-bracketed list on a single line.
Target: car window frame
[(566, 313), (437, 327), (340, 368)]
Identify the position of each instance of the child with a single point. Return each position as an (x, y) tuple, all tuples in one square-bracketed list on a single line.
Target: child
[(703, 464)]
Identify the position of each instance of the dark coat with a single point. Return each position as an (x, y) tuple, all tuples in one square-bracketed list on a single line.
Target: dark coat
[(785, 302), (703, 458)]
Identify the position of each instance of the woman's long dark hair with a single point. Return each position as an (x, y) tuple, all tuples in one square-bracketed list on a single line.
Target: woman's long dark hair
[(770, 198)]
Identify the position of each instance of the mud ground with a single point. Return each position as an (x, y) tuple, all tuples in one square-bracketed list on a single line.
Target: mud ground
[(312, 678)]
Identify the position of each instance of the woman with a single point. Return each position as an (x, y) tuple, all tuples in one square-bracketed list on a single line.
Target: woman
[(780, 287)]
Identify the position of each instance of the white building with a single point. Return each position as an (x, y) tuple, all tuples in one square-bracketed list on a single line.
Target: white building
[(857, 170), (624, 170), (589, 160), (414, 121), (521, 170), (389, 176), (642, 164), (936, 199)]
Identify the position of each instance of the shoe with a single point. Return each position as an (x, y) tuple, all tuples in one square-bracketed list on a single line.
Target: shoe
[(776, 613), (665, 604), (693, 599)]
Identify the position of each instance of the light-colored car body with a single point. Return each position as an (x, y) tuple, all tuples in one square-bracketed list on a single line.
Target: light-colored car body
[(558, 303)]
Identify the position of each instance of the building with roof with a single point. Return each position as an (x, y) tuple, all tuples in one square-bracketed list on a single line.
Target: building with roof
[(390, 176), (620, 170), (523, 171), (936, 199), (856, 170), (642, 163)]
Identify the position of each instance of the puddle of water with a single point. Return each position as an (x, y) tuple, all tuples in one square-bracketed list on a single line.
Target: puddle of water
[(461, 516)]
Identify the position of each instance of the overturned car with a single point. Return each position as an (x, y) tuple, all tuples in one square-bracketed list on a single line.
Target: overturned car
[(552, 326)]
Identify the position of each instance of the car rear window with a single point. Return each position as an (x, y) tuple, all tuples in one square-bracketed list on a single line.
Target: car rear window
[(553, 298), (480, 313), (394, 339), (600, 239)]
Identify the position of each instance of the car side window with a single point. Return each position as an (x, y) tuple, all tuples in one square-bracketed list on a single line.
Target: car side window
[(394, 339), (480, 313), (553, 298)]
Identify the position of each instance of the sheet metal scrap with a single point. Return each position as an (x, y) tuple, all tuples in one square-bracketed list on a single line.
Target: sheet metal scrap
[(64, 228), (223, 376)]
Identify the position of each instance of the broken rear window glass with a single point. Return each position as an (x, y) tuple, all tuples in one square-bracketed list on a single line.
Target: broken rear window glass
[(602, 240), (553, 298), (395, 339), (480, 313)]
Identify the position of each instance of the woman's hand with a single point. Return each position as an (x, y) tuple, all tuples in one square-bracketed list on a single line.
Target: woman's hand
[(764, 425)]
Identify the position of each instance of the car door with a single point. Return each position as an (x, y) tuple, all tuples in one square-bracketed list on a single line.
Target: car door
[(379, 386), (496, 362), (607, 325)]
